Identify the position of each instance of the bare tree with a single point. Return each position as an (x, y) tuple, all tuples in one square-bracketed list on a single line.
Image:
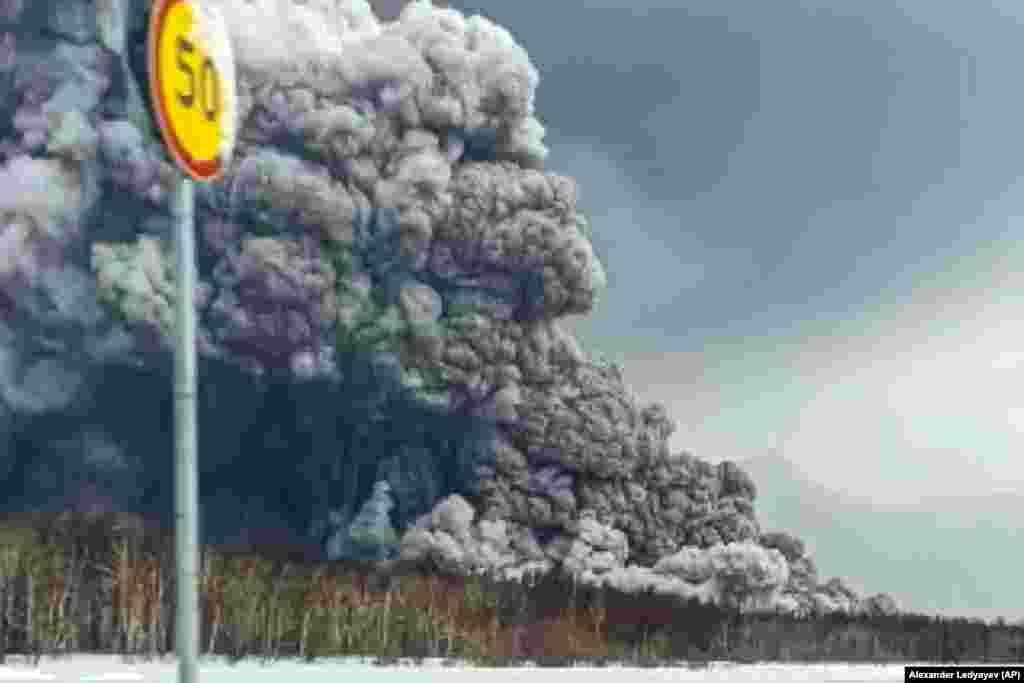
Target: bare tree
[(11, 544)]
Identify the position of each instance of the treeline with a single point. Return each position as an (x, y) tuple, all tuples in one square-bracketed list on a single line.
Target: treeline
[(105, 583)]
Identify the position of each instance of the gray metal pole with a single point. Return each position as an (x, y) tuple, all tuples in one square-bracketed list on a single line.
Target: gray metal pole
[(186, 480)]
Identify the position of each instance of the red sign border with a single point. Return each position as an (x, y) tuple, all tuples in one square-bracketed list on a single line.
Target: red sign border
[(199, 169)]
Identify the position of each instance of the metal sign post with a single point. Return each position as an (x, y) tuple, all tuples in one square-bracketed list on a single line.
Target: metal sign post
[(186, 484), (192, 92)]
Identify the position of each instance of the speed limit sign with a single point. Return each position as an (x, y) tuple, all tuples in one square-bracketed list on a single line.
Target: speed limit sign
[(192, 91), (192, 85)]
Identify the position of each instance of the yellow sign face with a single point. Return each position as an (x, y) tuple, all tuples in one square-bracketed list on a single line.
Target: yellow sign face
[(192, 85)]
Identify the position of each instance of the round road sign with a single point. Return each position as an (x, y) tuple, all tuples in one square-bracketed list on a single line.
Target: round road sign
[(192, 85)]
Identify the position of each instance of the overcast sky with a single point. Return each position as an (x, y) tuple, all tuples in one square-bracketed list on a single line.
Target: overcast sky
[(809, 213)]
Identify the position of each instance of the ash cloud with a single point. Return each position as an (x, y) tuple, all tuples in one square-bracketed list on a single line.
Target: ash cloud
[(385, 276)]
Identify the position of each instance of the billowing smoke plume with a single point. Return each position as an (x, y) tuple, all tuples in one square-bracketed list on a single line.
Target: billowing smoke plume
[(383, 269)]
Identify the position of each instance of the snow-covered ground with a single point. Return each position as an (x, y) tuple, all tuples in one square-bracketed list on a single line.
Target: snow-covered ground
[(113, 668)]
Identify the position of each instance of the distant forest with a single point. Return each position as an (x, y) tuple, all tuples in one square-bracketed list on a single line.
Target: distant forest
[(105, 584)]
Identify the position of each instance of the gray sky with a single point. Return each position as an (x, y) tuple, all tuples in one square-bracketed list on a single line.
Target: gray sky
[(808, 212)]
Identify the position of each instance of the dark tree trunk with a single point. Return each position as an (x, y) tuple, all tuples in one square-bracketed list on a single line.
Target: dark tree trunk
[(4, 600)]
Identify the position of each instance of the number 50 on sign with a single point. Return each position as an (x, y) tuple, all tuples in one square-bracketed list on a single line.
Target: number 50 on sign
[(192, 85)]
